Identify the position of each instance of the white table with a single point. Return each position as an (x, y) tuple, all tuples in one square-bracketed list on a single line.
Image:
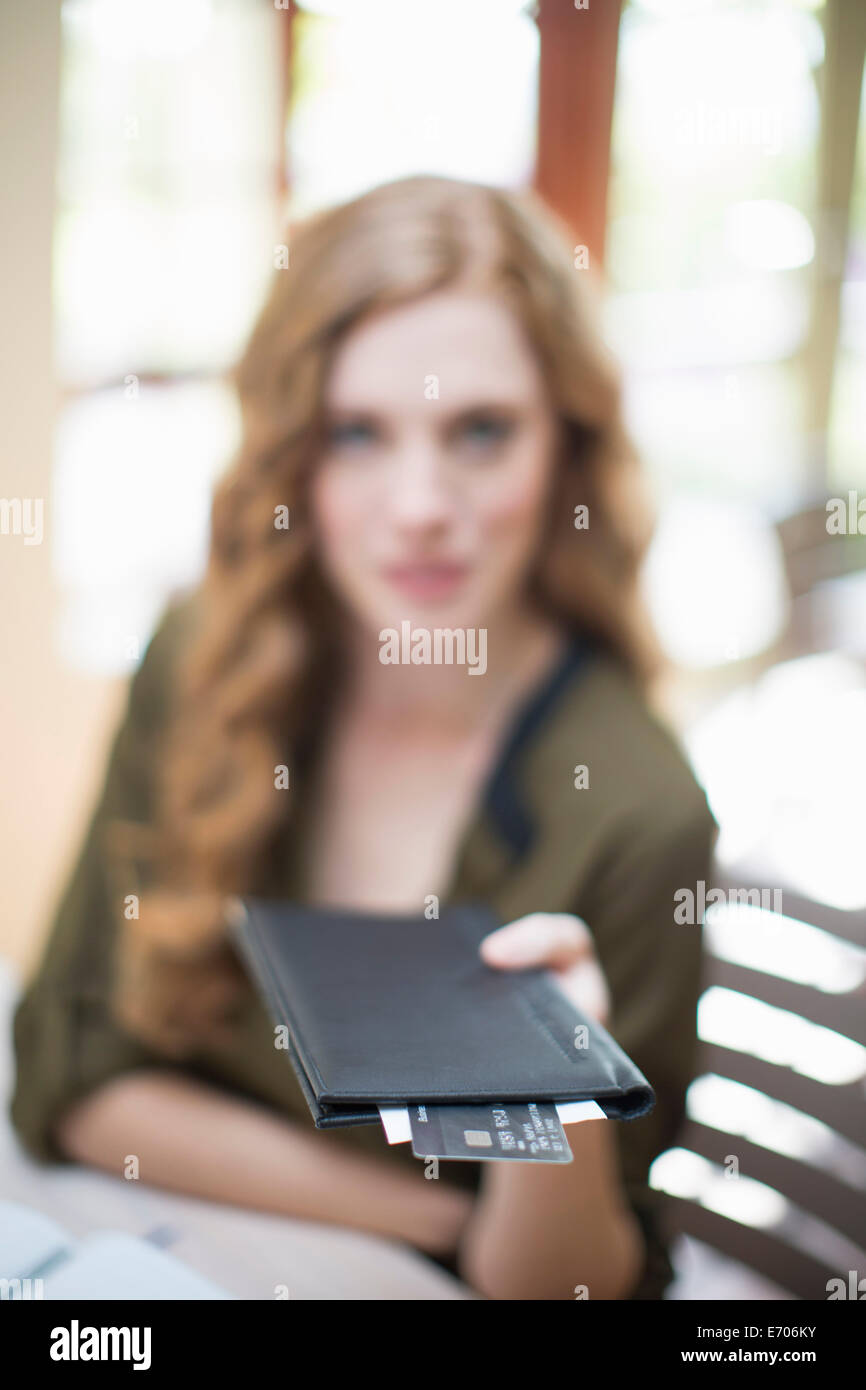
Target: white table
[(249, 1254)]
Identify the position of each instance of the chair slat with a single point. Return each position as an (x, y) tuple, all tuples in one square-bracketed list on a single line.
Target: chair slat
[(843, 1013), (812, 1188), (840, 1107), (847, 924), (763, 1251)]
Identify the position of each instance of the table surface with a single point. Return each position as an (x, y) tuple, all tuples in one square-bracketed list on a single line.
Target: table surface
[(249, 1254)]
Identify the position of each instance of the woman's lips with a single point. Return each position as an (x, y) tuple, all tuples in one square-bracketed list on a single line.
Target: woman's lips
[(428, 580)]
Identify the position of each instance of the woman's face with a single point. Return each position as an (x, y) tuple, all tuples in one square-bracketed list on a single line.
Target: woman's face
[(428, 501)]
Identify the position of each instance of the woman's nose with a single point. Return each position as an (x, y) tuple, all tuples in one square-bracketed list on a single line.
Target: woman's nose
[(420, 493)]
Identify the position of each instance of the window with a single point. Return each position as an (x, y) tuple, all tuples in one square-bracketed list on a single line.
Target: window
[(710, 241), (163, 246), (386, 89), (848, 410)]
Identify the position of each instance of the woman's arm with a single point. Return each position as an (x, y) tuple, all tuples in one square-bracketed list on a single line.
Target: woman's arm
[(191, 1138), (547, 1231), (543, 1231), (537, 1233)]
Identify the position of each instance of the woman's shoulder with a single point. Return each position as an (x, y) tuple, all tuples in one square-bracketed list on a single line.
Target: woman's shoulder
[(180, 615), (621, 751), (151, 683)]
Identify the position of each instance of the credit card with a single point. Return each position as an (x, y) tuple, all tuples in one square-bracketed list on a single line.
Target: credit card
[(525, 1132)]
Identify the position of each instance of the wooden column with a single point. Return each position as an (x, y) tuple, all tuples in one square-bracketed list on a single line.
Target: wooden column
[(841, 79), (577, 75), (286, 15)]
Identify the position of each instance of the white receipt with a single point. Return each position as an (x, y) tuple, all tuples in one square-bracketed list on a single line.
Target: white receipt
[(395, 1121), (398, 1130), (571, 1112)]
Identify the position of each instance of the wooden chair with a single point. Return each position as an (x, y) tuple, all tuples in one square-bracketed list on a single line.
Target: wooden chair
[(788, 1252), (816, 564)]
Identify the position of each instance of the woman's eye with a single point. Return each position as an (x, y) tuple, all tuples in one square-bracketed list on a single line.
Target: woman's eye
[(484, 431), (353, 434)]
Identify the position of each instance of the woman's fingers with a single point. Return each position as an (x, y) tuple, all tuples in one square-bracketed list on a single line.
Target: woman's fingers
[(554, 939), (584, 984), (563, 944)]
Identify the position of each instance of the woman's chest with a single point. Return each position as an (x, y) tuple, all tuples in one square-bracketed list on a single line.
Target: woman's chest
[(385, 825)]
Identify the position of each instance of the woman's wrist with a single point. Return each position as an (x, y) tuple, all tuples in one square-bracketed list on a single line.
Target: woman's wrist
[(445, 1220)]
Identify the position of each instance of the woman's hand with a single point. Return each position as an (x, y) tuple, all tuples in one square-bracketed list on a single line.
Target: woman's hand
[(563, 945)]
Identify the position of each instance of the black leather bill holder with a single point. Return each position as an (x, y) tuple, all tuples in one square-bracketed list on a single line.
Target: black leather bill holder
[(390, 1010)]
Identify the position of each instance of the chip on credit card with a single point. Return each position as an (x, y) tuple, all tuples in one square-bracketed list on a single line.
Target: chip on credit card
[(525, 1132)]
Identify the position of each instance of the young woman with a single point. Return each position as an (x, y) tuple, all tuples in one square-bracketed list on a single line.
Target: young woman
[(431, 435)]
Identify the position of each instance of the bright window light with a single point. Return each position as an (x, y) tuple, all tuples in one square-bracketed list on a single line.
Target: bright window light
[(784, 765), (723, 1104), (682, 1173), (709, 252), (124, 30), (387, 89), (164, 241), (715, 583), (737, 1021), (133, 479), (769, 235), (781, 946)]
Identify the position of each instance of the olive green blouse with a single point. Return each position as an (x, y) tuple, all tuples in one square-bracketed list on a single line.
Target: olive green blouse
[(613, 851)]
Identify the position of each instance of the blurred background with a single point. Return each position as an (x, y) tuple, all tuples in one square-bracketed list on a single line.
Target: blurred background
[(710, 159)]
